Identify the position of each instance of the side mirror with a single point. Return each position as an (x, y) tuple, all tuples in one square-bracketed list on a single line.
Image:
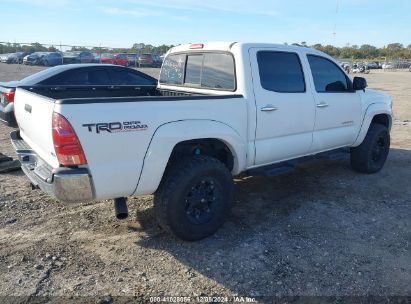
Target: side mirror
[(359, 83)]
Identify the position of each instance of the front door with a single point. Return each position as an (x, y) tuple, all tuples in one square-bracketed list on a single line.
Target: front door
[(285, 105), (338, 107)]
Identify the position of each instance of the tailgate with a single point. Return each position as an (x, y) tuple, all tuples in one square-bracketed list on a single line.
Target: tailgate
[(34, 117)]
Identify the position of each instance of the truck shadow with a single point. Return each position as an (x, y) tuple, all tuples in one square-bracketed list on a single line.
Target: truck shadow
[(310, 231)]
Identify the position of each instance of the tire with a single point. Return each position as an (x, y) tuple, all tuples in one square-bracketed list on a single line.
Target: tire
[(370, 156), (46, 63), (194, 197)]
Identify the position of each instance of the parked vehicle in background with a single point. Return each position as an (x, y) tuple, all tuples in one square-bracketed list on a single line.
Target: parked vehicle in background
[(373, 65), (121, 59), (145, 60), (117, 59), (78, 57), (16, 57), (409, 69), (401, 64), (97, 57), (51, 59), (346, 67), (132, 59), (107, 58), (4, 57), (96, 79), (387, 65), (360, 68), (34, 58), (157, 61), (221, 109)]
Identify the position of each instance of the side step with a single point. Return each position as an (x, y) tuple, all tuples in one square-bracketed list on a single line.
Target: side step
[(289, 165)]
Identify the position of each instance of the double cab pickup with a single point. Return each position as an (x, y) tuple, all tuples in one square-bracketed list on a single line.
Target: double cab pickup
[(220, 109)]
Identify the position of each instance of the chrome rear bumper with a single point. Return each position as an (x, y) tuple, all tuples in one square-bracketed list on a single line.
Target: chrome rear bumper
[(67, 185)]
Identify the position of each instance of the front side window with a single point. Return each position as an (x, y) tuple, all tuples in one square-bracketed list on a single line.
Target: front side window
[(280, 72), (327, 76)]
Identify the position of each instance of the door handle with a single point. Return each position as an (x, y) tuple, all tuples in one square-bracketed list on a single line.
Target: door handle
[(322, 105), (269, 108)]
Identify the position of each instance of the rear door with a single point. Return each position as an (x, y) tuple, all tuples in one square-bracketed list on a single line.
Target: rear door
[(338, 107), (285, 105)]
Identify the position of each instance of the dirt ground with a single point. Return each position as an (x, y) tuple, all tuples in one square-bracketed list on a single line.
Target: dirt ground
[(320, 230)]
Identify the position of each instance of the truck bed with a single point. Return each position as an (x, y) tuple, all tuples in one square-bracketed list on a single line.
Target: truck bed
[(116, 132), (68, 92)]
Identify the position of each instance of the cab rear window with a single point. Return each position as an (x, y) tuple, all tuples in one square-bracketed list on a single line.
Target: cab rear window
[(202, 70)]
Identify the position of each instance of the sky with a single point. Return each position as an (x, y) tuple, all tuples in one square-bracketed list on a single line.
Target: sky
[(121, 23)]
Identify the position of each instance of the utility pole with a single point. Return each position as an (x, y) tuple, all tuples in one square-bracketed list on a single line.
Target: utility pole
[(335, 22)]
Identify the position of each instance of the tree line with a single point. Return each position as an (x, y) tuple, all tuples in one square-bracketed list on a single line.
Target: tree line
[(6, 48), (365, 51), (37, 47)]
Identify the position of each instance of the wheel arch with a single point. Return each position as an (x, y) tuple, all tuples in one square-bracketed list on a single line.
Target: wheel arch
[(213, 147), (376, 113), (382, 119), (175, 139)]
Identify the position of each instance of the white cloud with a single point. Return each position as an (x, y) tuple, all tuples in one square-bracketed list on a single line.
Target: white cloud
[(133, 12), (47, 3), (237, 7)]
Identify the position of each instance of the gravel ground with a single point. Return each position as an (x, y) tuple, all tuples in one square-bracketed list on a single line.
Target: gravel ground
[(320, 230)]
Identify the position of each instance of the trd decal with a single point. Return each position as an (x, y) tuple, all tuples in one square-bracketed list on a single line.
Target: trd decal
[(114, 127)]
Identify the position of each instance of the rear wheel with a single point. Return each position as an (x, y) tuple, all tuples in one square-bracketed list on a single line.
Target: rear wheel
[(194, 197), (370, 156)]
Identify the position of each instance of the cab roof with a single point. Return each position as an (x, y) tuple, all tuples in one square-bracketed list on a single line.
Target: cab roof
[(230, 45)]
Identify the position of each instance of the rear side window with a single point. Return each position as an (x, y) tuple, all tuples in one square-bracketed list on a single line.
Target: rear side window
[(79, 77), (99, 77), (280, 72), (208, 70), (172, 70), (125, 77), (327, 76)]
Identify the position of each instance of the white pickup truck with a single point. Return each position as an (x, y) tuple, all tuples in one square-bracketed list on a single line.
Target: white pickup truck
[(220, 109)]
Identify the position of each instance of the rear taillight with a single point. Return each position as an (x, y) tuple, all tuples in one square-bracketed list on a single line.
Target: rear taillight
[(9, 96), (66, 144)]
